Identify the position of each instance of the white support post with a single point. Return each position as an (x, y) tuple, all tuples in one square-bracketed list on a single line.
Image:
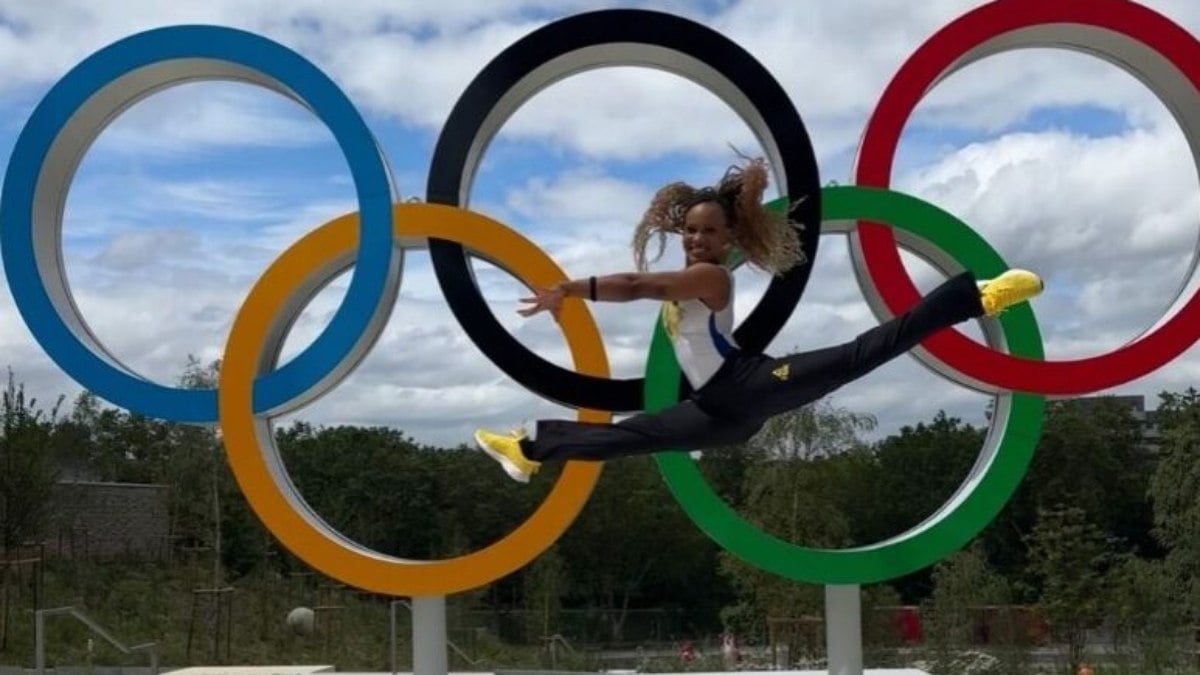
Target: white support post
[(39, 641), (429, 636), (843, 629), (392, 635)]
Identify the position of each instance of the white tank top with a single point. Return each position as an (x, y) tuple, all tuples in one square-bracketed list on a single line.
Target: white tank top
[(702, 338)]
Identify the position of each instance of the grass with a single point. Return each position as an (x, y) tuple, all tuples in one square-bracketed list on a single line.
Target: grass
[(154, 602)]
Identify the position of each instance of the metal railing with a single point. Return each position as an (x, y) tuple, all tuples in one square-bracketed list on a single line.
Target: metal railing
[(40, 638)]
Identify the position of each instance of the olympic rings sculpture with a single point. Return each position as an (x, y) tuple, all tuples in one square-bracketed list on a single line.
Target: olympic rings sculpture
[(253, 387)]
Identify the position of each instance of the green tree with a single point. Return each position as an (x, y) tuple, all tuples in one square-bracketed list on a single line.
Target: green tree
[(30, 462), (632, 536), (970, 610), (31, 465), (914, 473), (963, 583), (371, 484), (1149, 616), (1071, 563), (1175, 490), (544, 585), (1091, 456), (820, 429), (793, 492), (920, 468)]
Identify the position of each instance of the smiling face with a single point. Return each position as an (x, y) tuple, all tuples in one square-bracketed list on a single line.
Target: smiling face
[(707, 235)]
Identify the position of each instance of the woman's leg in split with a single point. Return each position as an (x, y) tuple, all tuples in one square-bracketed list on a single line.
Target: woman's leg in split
[(795, 380), (683, 426)]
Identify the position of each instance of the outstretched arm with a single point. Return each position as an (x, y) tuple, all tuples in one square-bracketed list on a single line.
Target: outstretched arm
[(705, 282)]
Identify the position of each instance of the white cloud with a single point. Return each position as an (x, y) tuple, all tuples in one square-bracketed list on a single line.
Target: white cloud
[(200, 116), (1111, 222), (585, 194), (138, 249), (43, 40), (413, 60)]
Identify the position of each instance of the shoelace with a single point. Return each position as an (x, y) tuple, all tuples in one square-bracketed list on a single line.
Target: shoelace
[(519, 433)]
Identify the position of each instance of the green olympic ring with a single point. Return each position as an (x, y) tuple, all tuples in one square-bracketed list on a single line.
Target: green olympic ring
[(1001, 465)]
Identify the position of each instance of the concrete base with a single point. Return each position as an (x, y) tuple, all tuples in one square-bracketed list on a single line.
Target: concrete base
[(312, 670), (253, 670)]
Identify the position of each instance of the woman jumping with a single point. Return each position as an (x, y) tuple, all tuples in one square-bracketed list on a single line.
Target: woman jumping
[(734, 392)]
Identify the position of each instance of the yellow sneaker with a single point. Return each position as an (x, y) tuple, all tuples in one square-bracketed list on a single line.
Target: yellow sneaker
[(507, 451), (1008, 289)]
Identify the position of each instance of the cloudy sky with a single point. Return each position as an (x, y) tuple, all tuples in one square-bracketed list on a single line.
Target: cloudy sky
[(1065, 163)]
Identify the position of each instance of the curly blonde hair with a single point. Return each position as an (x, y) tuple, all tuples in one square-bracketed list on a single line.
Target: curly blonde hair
[(767, 239)]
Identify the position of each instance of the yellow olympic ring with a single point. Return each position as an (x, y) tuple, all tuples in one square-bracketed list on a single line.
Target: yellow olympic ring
[(251, 447)]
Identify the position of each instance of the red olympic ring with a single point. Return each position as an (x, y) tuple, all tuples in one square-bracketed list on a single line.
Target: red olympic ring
[(950, 48)]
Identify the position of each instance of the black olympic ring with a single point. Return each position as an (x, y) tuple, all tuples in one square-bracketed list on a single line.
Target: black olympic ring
[(579, 43)]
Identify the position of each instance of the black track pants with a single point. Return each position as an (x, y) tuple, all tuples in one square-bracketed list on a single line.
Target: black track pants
[(750, 388)]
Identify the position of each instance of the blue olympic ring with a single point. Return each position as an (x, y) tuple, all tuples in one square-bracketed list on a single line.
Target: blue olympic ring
[(249, 56)]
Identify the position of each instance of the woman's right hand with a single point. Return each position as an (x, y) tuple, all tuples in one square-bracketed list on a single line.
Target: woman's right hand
[(544, 299)]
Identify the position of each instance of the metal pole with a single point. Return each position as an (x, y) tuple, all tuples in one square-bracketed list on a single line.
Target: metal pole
[(843, 629), (392, 635), (429, 636), (39, 641)]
